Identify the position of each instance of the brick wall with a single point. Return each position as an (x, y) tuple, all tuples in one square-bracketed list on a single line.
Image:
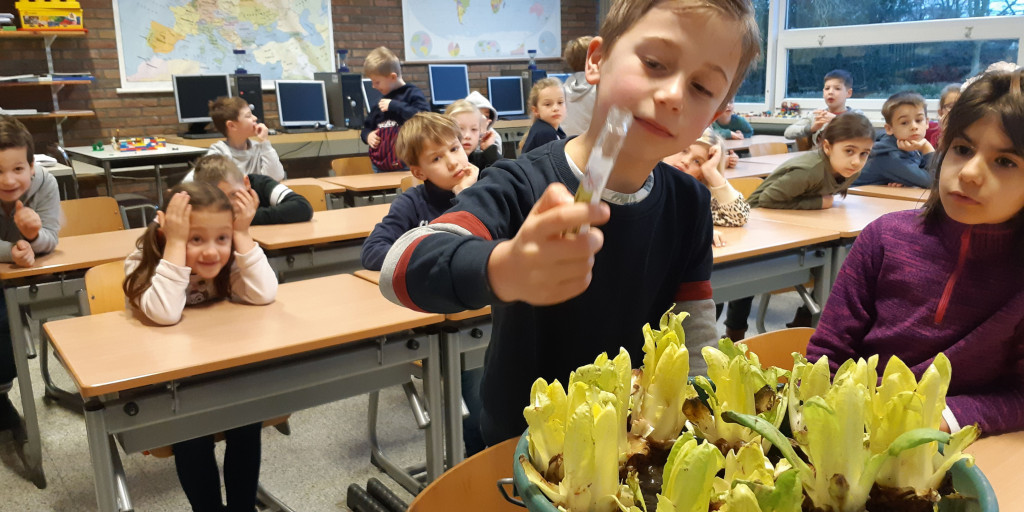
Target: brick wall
[(357, 26)]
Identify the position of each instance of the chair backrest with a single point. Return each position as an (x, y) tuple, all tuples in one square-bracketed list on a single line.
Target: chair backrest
[(745, 186), (90, 215), (470, 485), (776, 348), (768, 148), (350, 165), (410, 182), (103, 287), (314, 194)]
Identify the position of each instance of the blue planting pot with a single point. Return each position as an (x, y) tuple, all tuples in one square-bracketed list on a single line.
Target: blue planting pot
[(968, 481)]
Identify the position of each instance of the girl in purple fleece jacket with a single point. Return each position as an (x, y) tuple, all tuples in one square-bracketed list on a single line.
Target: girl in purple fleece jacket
[(950, 279)]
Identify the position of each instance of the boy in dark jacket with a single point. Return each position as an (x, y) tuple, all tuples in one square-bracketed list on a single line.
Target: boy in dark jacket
[(401, 101), (901, 157), (278, 203)]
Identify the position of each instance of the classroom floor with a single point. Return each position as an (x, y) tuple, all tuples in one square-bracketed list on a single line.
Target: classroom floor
[(309, 470)]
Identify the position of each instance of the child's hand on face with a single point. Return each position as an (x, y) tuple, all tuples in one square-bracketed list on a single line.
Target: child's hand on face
[(468, 178), (383, 104), (22, 254), (262, 133), (243, 206), (922, 145), (27, 220), (736, 135), (174, 224), (827, 202), (372, 139), (732, 160), (717, 238), (486, 140), (542, 265)]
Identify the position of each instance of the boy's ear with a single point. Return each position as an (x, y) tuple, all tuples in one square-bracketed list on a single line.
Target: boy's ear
[(231, 125), (849, 92), (595, 52), (246, 181), (393, 76), (417, 172), (888, 129)]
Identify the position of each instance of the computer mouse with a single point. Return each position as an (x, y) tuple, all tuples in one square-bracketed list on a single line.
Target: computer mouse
[(272, 131)]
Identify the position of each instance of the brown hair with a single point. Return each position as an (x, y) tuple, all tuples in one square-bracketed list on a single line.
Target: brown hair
[(214, 169), (382, 62), (846, 126), (997, 93), (575, 54), (226, 109), (539, 86), (202, 196), (946, 91), (898, 100), (422, 128), (13, 134), (625, 13)]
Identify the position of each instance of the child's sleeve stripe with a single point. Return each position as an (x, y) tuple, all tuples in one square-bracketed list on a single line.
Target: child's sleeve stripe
[(464, 220), (695, 290), (399, 287)]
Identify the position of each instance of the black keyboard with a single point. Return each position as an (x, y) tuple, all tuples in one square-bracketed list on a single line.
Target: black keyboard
[(311, 129), (208, 135)]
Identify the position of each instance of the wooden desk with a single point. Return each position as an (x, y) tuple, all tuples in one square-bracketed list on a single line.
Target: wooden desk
[(745, 169), (848, 216), (280, 138), (52, 285), (365, 189), (329, 188), (999, 458), (773, 160), (743, 144), (228, 364), (915, 194), (330, 243), (109, 159)]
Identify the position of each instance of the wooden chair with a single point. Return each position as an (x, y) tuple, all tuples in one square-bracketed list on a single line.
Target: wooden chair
[(104, 294), (471, 484), (776, 348), (90, 215), (314, 194), (745, 186), (804, 144), (350, 165), (409, 182), (768, 148)]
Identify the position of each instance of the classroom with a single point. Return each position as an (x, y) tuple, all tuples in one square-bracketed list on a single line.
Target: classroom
[(367, 379)]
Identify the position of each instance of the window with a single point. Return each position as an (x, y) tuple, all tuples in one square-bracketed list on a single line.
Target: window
[(884, 69), (833, 13), (752, 90)]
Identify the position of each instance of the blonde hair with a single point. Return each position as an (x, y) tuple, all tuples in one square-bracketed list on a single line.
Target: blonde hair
[(226, 109), (539, 86), (575, 54), (214, 169), (624, 14), (461, 107), (382, 62), (422, 128)]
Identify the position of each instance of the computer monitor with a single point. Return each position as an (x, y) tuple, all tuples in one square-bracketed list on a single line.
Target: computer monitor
[(192, 97), (561, 76), (301, 103), (506, 94), (448, 83), (370, 95)]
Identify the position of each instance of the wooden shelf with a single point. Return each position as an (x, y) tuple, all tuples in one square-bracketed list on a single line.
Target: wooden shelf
[(53, 82), (58, 114), (39, 34)]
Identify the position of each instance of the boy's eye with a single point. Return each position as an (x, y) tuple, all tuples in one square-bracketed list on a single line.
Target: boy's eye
[(703, 90), (652, 64), (197, 239)]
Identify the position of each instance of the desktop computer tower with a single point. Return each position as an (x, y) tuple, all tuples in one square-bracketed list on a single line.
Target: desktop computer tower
[(250, 88), (335, 98), (352, 99), (529, 76)]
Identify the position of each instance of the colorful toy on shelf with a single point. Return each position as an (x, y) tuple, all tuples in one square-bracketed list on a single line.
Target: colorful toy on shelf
[(141, 144)]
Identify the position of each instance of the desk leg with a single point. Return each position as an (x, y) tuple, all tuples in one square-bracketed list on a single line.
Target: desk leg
[(33, 449), (108, 174), (435, 404), (101, 450), (839, 254), (823, 279), (451, 372)]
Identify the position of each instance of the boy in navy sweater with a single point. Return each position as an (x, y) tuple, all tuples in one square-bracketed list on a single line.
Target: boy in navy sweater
[(560, 300), (902, 156), (401, 101)]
